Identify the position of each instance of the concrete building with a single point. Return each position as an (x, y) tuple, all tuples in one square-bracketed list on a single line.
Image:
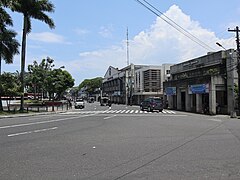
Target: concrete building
[(204, 84), (134, 83), (149, 81)]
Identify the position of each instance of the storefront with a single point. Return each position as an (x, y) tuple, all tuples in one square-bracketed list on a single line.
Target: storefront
[(203, 85)]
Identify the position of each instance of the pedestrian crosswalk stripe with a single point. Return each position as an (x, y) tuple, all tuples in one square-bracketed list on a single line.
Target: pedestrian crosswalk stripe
[(122, 111), (108, 111)]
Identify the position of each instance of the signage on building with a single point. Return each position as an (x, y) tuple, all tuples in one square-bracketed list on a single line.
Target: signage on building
[(190, 63), (198, 89), (116, 93), (170, 91)]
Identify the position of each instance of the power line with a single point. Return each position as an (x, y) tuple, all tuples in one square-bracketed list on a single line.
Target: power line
[(176, 26)]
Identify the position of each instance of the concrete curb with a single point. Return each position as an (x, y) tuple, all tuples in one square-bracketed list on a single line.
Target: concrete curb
[(28, 114)]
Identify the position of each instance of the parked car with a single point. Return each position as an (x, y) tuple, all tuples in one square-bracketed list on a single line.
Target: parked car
[(79, 103), (152, 104)]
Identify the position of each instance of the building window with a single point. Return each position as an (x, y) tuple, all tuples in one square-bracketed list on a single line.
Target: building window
[(136, 78)]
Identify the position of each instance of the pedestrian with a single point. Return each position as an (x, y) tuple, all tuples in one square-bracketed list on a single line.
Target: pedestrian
[(166, 104), (70, 103), (109, 104)]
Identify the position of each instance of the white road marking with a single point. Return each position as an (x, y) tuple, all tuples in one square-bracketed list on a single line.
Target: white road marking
[(30, 132), (122, 111), (218, 120), (119, 112), (42, 122), (109, 117)]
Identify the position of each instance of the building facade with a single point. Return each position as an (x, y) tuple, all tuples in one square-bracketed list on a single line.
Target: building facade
[(134, 83), (149, 81), (204, 85)]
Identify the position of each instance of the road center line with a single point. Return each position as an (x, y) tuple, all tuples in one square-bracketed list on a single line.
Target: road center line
[(30, 132)]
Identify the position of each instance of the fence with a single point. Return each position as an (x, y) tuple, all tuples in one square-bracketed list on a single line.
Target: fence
[(46, 107)]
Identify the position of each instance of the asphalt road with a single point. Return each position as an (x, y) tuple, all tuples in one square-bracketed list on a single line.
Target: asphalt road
[(102, 143)]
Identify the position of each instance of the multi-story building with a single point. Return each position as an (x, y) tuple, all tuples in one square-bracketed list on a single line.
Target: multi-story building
[(204, 84), (134, 83), (149, 81)]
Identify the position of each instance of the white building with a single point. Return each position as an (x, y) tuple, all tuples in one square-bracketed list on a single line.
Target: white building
[(134, 83)]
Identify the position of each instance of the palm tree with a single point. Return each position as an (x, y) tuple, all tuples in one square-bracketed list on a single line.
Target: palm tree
[(5, 18), (8, 44), (30, 9)]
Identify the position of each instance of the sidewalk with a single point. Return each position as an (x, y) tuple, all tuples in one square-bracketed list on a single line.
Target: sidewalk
[(35, 113)]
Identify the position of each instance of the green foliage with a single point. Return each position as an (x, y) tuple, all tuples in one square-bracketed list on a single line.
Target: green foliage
[(30, 9), (10, 85), (58, 81), (35, 78), (8, 43), (91, 84), (33, 9), (43, 78), (5, 17)]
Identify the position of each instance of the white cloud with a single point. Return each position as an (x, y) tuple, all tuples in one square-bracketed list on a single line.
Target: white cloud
[(106, 31), (47, 37), (81, 32), (159, 44)]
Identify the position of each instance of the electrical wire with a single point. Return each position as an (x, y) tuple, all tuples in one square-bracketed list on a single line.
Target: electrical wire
[(176, 26)]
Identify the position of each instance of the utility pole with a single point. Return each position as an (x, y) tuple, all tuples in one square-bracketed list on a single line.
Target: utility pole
[(238, 61), (127, 73), (127, 48)]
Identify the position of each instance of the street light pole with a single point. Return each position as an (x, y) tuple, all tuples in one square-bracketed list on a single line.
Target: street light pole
[(221, 46), (238, 61)]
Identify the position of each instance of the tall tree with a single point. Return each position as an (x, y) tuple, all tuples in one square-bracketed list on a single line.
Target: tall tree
[(35, 9), (91, 84), (57, 82), (8, 44), (37, 73), (5, 18), (44, 78), (10, 85)]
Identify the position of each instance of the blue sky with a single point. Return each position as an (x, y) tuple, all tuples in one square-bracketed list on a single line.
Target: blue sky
[(90, 35)]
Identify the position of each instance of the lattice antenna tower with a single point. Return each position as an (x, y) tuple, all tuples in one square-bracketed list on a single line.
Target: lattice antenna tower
[(127, 42)]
